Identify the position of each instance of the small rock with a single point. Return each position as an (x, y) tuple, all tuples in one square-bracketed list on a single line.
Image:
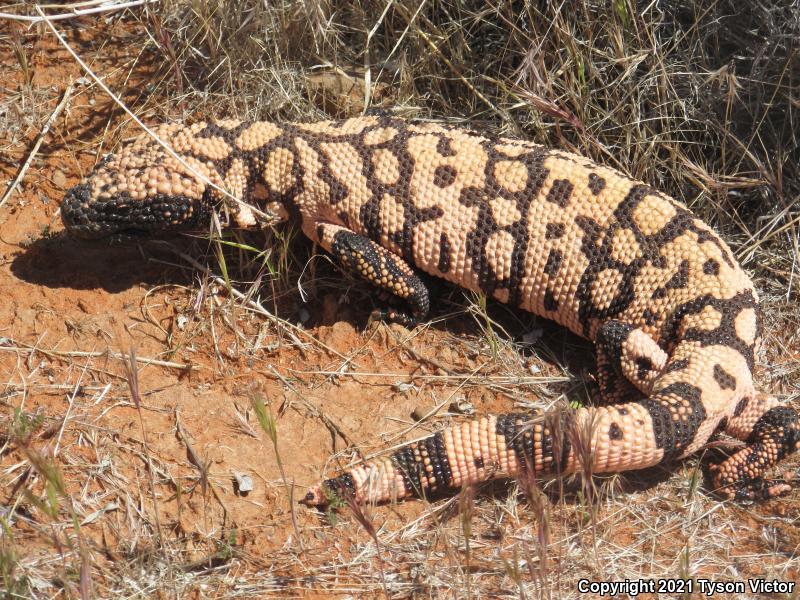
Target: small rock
[(462, 407), (244, 483), (59, 179)]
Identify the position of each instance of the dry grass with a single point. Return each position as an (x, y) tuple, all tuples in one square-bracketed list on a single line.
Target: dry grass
[(701, 101)]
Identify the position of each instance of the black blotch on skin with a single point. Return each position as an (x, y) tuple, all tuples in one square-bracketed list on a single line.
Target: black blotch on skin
[(437, 452), (659, 293), (650, 318), (213, 129), (550, 302), (725, 380), (643, 366), (445, 253), (515, 430), (445, 147), (343, 487), (554, 231), (741, 406), (560, 192), (680, 278), (777, 429), (615, 432), (610, 338), (405, 463), (684, 390), (622, 411), (338, 191), (444, 176), (596, 183), (478, 462), (704, 235), (677, 365), (711, 267), (553, 263)]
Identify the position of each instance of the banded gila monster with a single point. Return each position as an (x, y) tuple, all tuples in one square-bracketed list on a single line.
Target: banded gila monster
[(674, 318)]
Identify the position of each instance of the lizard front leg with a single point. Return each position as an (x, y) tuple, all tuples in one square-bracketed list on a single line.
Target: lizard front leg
[(380, 267)]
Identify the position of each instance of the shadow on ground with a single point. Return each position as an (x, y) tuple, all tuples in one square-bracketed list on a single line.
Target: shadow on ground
[(60, 261)]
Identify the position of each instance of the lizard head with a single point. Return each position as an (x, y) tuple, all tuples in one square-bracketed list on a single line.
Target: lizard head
[(141, 189), (90, 214), (147, 188)]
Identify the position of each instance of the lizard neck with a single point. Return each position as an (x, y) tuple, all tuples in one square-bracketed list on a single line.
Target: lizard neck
[(264, 173)]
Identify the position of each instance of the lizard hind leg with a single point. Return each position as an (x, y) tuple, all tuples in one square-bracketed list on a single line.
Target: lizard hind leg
[(771, 432), (380, 267), (628, 362)]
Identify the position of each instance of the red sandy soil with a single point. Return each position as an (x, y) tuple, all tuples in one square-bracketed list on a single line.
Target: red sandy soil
[(357, 384)]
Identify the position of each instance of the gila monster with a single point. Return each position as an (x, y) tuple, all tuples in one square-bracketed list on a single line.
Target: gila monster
[(674, 319)]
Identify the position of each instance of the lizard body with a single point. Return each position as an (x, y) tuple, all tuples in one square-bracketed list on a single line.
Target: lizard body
[(674, 318)]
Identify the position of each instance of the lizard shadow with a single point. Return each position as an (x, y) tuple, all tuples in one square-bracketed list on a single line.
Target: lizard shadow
[(572, 490), (60, 262)]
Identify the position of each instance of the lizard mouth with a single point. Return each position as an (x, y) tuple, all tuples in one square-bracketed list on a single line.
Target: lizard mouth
[(87, 217)]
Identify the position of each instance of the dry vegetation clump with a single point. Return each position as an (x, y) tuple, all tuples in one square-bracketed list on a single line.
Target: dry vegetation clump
[(125, 489)]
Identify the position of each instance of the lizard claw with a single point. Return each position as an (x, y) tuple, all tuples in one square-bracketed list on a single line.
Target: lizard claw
[(392, 315), (755, 490)]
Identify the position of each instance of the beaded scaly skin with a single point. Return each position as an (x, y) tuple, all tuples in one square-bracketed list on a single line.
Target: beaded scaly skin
[(674, 318)]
